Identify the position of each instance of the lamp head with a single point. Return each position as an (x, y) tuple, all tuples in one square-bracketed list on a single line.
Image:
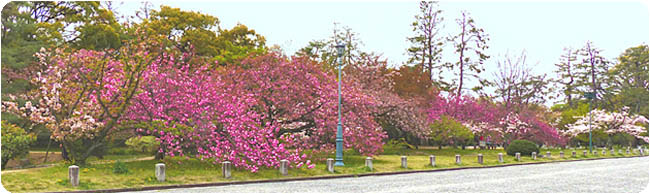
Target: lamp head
[(340, 49)]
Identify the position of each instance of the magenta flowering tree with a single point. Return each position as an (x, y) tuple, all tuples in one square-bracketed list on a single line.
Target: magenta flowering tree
[(296, 99), (193, 114), (503, 125)]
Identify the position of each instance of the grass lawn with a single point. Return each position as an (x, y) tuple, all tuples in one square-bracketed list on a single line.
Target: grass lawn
[(192, 171)]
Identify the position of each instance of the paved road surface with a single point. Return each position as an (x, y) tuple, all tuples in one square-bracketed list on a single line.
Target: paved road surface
[(609, 175)]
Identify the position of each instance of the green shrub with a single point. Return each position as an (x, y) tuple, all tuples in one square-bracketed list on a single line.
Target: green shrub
[(448, 131), (15, 142), (144, 144), (120, 168), (525, 147)]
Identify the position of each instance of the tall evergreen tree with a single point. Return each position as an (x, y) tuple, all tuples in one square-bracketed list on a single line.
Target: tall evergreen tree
[(566, 71), (470, 45), (427, 43)]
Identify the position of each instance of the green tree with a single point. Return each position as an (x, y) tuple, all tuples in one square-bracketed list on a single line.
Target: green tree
[(630, 80), (15, 142), (427, 43), (185, 31), (566, 70), (324, 51), (592, 73), (448, 131), (470, 45)]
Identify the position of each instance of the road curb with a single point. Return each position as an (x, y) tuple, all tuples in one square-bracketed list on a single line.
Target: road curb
[(320, 177)]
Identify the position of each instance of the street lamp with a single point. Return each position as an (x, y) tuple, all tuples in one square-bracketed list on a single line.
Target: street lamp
[(339, 130), (590, 96)]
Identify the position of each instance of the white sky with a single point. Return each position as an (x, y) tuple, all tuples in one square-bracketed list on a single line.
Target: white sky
[(543, 29)]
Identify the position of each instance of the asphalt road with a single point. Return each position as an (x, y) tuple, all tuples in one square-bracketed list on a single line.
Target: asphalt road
[(608, 175)]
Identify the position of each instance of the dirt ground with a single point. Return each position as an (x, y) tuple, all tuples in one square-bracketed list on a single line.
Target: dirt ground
[(35, 158)]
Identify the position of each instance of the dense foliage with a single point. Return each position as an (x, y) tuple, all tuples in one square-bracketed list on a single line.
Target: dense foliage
[(15, 142), (524, 147)]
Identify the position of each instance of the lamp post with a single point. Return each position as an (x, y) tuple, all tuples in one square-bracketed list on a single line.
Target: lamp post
[(590, 96), (339, 130)]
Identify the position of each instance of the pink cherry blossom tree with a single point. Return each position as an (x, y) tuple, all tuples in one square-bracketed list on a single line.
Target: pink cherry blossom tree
[(299, 100), (82, 94), (610, 123), (193, 114)]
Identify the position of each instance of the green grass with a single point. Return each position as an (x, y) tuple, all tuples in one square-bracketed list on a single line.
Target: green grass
[(193, 171)]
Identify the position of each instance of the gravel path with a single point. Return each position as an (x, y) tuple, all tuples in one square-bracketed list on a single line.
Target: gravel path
[(608, 175)]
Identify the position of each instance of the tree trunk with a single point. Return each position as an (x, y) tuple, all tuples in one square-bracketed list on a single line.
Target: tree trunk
[(47, 150)]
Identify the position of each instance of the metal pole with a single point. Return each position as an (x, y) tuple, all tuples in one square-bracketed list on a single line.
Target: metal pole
[(339, 130), (590, 150)]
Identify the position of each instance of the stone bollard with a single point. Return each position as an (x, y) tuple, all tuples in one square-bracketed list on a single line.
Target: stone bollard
[(534, 155), (518, 156), (584, 153), (404, 165), (480, 158), (640, 152), (548, 155), (604, 152), (573, 153), (226, 169), (561, 154), (369, 163), (627, 151), (284, 167), (330, 165), (73, 175), (458, 159), (500, 157), (620, 151), (160, 172), (432, 160), (611, 152)]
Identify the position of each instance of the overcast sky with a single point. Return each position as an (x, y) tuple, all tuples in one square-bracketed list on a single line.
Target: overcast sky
[(543, 29)]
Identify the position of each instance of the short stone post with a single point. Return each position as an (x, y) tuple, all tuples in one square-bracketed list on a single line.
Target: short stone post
[(369, 163), (640, 152), (604, 151), (160, 172), (518, 156), (584, 153), (73, 175), (561, 154), (548, 155), (458, 159), (480, 158), (620, 151), (330, 165), (284, 167), (226, 169), (573, 153), (432, 160), (611, 152), (404, 165), (500, 157), (627, 151), (534, 155)]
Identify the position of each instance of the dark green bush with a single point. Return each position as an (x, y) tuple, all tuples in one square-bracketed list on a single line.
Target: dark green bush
[(15, 142), (524, 147), (120, 168)]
